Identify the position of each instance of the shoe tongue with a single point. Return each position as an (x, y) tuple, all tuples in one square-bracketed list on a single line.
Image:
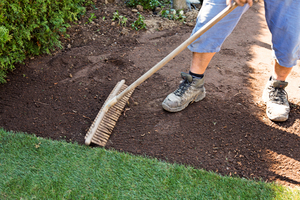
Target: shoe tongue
[(187, 77), (280, 84)]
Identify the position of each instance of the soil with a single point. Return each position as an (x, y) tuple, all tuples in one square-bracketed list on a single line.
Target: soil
[(58, 96)]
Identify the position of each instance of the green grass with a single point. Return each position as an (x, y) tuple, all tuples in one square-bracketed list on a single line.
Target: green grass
[(37, 168)]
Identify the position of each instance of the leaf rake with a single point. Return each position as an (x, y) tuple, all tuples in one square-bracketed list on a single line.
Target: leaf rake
[(111, 110)]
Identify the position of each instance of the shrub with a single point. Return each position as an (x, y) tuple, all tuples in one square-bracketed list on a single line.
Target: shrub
[(33, 27)]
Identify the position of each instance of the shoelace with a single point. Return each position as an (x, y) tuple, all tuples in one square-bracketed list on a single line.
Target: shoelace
[(184, 85), (278, 95)]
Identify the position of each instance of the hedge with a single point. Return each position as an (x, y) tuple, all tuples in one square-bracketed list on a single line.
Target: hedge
[(33, 27)]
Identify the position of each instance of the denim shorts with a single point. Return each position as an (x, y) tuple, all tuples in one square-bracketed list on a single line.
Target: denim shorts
[(283, 19)]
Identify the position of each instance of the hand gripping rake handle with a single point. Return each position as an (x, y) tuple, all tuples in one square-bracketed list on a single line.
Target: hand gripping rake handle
[(159, 65)]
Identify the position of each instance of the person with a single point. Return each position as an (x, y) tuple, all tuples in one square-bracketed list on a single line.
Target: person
[(283, 21)]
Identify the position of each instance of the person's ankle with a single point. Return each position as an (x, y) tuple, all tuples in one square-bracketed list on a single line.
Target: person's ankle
[(194, 75)]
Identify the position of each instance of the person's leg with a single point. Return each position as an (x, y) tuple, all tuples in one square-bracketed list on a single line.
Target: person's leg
[(200, 62), (212, 40), (192, 88), (280, 72), (275, 96), (283, 21)]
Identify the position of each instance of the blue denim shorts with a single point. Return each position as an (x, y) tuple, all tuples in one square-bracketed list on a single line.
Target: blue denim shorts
[(283, 19)]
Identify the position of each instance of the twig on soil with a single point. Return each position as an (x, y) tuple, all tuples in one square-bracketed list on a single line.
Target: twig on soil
[(41, 103), (86, 117), (237, 93), (68, 113)]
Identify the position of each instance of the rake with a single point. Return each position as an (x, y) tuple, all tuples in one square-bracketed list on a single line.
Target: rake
[(103, 125)]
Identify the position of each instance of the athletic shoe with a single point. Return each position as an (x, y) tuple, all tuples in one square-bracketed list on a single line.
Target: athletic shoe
[(276, 98)]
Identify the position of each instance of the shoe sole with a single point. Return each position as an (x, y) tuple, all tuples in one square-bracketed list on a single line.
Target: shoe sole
[(195, 99)]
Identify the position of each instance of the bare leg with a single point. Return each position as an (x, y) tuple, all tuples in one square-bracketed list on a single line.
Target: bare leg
[(280, 73), (200, 62)]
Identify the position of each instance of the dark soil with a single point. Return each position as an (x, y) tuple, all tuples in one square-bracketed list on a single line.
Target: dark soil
[(58, 96)]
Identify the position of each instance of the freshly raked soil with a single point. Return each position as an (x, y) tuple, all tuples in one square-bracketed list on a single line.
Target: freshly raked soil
[(58, 96)]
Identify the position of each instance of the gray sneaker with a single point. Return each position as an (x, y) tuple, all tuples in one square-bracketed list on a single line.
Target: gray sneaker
[(189, 90), (276, 98)]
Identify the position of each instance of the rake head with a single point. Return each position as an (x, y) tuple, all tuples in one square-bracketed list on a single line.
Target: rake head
[(106, 120)]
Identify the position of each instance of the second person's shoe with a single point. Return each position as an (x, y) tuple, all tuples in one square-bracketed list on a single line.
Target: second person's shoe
[(276, 99)]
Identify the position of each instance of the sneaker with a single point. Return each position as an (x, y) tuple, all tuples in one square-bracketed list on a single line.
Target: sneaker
[(276, 98), (190, 90)]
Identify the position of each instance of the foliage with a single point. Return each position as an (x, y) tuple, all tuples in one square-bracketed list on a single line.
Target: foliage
[(139, 23), (147, 4), (122, 20), (91, 18), (116, 16), (33, 27), (36, 168), (173, 14)]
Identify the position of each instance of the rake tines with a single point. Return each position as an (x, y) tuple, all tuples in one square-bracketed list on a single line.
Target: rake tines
[(101, 129)]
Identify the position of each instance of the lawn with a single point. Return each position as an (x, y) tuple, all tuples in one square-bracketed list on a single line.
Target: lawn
[(38, 168)]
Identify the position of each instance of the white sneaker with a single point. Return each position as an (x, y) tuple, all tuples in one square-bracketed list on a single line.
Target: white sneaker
[(276, 98)]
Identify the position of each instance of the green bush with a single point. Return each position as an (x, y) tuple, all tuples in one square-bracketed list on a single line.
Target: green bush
[(33, 27)]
